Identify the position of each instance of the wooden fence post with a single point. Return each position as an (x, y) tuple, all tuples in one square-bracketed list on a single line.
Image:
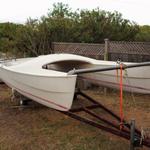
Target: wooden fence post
[(52, 48), (106, 50)]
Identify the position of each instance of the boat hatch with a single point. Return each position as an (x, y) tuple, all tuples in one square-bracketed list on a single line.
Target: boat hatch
[(67, 65)]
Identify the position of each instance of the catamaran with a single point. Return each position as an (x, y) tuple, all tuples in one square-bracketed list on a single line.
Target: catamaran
[(47, 79)]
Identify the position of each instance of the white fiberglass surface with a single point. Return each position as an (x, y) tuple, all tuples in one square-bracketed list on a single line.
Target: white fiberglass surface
[(57, 64)]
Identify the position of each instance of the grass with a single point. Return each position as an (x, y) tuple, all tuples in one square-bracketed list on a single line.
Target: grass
[(41, 128)]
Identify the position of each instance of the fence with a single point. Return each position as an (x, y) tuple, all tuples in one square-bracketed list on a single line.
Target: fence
[(109, 50), (84, 49), (129, 51)]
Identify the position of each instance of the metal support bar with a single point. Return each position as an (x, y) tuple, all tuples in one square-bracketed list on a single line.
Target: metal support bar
[(91, 70), (79, 109), (100, 105), (95, 124), (106, 121), (119, 133), (132, 135), (107, 110)]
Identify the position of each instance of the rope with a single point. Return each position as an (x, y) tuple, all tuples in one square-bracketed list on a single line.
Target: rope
[(121, 97), (131, 91), (121, 93), (142, 136), (117, 76)]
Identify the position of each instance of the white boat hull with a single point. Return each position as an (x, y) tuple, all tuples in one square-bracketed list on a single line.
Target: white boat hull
[(12, 62), (53, 92), (131, 83)]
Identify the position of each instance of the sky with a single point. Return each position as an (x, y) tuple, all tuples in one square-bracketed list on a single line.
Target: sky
[(19, 10)]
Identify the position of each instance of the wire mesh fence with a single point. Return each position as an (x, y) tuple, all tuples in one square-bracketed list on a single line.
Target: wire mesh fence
[(115, 50), (129, 51), (84, 49)]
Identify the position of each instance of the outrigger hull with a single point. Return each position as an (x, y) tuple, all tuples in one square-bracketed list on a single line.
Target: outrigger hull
[(135, 80)]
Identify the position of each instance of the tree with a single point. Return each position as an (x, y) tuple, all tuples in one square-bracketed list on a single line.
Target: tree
[(7, 37), (61, 24), (144, 34)]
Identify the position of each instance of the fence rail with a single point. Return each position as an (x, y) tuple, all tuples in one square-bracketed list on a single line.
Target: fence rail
[(111, 50)]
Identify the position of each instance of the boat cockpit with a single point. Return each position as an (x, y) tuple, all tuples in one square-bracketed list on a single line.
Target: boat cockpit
[(67, 65)]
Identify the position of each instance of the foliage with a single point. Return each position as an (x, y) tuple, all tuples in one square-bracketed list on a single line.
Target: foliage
[(7, 37), (144, 34), (61, 24)]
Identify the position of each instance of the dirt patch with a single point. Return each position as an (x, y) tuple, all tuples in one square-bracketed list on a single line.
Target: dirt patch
[(41, 128)]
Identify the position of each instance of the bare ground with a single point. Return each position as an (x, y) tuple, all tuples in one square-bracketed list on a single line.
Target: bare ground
[(41, 128)]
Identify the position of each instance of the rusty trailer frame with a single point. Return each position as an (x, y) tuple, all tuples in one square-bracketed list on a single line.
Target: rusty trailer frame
[(129, 132)]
